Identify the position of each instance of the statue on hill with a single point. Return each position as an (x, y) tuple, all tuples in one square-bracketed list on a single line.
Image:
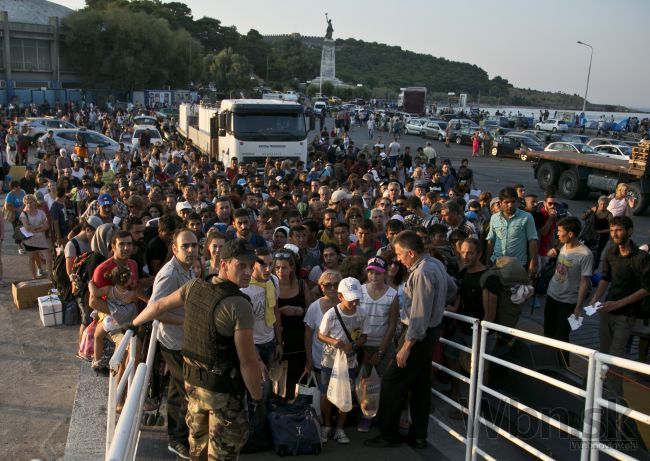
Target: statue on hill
[(330, 29)]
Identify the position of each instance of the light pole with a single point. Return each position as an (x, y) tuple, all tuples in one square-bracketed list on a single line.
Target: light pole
[(584, 102)]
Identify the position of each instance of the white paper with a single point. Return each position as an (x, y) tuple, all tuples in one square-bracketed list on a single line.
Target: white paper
[(116, 220), (26, 233), (574, 322), (591, 310)]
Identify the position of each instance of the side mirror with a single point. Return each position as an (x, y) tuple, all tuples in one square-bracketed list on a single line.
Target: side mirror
[(222, 132), (222, 122)]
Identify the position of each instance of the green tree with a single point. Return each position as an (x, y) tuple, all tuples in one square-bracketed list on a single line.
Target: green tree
[(121, 49), (228, 70)]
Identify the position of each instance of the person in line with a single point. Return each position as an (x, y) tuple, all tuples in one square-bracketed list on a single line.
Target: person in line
[(408, 377)]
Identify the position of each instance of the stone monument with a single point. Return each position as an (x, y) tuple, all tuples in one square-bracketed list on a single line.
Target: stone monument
[(328, 58)]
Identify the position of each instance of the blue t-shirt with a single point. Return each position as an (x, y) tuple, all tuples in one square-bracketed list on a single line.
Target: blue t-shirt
[(16, 200)]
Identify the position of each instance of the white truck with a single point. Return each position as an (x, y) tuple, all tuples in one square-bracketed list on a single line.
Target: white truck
[(250, 130)]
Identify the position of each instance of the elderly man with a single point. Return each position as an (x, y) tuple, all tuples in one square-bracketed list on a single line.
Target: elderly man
[(409, 375)]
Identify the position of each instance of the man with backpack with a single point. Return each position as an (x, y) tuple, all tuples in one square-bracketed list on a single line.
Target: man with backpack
[(62, 268)]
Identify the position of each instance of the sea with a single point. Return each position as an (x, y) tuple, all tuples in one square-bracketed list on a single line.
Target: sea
[(590, 115)]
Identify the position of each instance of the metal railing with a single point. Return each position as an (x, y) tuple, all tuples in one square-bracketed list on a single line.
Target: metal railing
[(124, 444), (588, 435), (583, 434), (602, 364), (116, 388), (469, 380)]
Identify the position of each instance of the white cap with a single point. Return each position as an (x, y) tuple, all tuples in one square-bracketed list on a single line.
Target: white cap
[(339, 195), (180, 206), (350, 288), (63, 151)]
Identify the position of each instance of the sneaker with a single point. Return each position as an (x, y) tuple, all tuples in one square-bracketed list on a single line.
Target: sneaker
[(39, 273), (179, 449), (364, 425), (340, 437), (21, 251), (325, 432)]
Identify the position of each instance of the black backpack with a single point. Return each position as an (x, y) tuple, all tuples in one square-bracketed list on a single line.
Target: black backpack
[(59, 276)]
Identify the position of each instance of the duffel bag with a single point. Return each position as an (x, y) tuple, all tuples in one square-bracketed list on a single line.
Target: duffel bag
[(295, 428)]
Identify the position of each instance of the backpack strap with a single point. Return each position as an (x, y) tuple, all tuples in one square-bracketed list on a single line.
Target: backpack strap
[(77, 247), (345, 329)]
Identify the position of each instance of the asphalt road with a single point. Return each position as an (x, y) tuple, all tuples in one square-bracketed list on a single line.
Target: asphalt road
[(494, 173)]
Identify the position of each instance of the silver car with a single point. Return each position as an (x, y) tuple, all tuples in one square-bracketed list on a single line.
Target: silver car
[(67, 138), (37, 127), (434, 130)]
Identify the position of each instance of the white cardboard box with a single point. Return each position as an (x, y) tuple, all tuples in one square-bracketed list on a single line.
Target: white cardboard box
[(50, 310)]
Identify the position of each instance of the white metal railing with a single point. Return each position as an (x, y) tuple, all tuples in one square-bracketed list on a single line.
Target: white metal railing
[(583, 434), (594, 403), (124, 444), (116, 388), (471, 381), (602, 364)]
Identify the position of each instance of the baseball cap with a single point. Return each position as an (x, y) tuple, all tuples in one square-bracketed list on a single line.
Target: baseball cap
[(349, 287), (240, 249), (136, 201), (494, 201), (180, 206), (63, 151), (376, 264), (339, 195), (105, 199), (94, 221)]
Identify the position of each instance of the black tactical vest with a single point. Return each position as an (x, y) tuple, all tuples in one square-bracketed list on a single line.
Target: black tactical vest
[(215, 354)]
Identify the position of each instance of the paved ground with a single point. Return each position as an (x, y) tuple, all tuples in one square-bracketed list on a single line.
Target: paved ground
[(39, 374)]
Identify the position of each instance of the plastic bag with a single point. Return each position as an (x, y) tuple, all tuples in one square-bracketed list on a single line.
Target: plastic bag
[(87, 344), (310, 390), (368, 390), (339, 391), (278, 375)]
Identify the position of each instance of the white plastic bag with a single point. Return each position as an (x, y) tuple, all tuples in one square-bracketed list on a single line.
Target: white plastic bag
[(339, 391), (278, 375), (310, 389), (368, 390)]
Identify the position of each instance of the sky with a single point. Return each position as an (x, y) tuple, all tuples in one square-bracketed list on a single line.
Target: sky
[(531, 44)]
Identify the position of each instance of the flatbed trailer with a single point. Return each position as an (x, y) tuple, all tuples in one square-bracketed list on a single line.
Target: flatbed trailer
[(577, 175)]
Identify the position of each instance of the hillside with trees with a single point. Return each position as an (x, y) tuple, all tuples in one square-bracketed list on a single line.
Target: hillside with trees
[(125, 45)]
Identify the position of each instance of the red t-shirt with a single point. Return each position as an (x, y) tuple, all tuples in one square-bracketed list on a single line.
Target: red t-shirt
[(107, 266)]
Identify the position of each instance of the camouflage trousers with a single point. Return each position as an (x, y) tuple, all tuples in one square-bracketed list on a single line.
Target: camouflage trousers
[(218, 424)]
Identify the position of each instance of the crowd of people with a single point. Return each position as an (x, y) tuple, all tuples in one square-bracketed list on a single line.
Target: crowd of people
[(357, 249)]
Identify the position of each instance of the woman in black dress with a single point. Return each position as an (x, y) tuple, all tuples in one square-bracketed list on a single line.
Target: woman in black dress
[(294, 297)]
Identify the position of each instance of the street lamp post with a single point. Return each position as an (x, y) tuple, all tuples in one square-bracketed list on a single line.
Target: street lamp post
[(584, 102)]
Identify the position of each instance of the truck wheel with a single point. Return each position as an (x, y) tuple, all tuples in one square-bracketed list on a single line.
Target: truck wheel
[(441, 138), (642, 200), (571, 186), (547, 175)]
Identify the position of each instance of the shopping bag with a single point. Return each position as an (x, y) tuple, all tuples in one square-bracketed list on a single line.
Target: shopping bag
[(368, 390), (309, 389), (278, 375), (339, 391)]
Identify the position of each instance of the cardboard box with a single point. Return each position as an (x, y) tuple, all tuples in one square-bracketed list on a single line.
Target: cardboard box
[(51, 310), (27, 293)]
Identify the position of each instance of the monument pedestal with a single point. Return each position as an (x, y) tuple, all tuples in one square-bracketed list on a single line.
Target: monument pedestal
[(328, 63)]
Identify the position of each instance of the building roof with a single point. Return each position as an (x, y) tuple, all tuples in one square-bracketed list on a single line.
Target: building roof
[(33, 11)]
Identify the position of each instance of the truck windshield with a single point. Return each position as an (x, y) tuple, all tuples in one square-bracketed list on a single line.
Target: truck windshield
[(275, 126)]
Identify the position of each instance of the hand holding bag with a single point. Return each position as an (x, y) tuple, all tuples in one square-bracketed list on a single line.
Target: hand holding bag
[(311, 392), (339, 391)]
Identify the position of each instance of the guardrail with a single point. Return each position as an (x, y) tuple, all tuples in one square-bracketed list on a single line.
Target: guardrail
[(471, 381), (124, 444), (589, 435), (602, 364)]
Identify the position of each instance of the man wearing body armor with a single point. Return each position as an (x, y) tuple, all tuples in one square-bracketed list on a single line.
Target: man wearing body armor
[(220, 361)]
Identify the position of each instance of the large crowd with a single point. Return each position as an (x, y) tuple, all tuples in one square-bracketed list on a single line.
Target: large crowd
[(359, 249)]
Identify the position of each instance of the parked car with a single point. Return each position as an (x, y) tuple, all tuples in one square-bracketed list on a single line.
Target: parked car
[(464, 135), (520, 122), (167, 112), (39, 126), (593, 142), (156, 138), (67, 137), (434, 130), (126, 138), (458, 123), (414, 126), (514, 145), (581, 138), (575, 147), (320, 107), (553, 125), (539, 134), (614, 151)]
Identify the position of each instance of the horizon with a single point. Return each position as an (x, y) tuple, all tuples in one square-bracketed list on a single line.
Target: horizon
[(530, 55)]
